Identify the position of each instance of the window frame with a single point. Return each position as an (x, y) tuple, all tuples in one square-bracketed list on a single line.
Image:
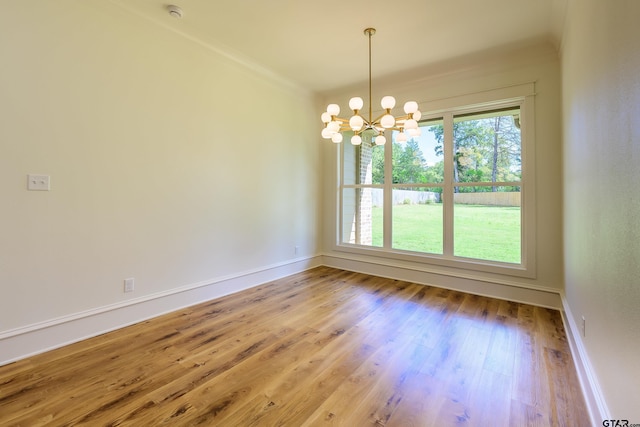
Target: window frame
[(521, 96)]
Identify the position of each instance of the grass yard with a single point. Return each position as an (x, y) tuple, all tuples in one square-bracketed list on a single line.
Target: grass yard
[(482, 232)]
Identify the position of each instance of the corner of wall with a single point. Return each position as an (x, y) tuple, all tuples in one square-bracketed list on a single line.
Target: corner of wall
[(591, 391)]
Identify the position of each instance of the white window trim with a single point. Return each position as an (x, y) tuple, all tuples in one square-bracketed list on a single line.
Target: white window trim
[(522, 95)]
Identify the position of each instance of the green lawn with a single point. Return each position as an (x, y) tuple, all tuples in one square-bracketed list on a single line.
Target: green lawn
[(483, 232)]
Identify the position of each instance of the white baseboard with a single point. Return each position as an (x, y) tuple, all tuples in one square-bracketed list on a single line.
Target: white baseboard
[(540, 296), (37, 338), (596, 405)]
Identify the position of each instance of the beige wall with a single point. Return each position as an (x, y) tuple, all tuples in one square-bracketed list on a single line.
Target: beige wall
[(169, 163), (536, 62), (601, 108), (141, 134)]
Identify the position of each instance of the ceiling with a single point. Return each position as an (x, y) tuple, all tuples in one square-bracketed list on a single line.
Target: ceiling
[(320, 45)]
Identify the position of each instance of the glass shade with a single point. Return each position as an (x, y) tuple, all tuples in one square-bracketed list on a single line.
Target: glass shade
[(417, 115), (409, 124), (336, 137), (356, 140), (325, 117), (356, 103), (333, 109), (333, 127), (380, 140), (388, 102), (410, 107), (326, 133), (401, 137), (356, 123), (387, 121)]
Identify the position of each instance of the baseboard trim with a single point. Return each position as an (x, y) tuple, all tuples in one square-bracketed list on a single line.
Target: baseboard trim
[(516, 292), (594, 398), (23, 342), (40, 337)]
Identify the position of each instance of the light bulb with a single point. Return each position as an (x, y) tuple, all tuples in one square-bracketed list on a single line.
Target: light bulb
[(387, 121), (333, 109), (326, 133), (356, 123), (414, 132), (401, 137), (356, 140), (356, 103), (410, 107), (325, 117), (380, 140), (336, 137), (417, 115), (334, 126), (388, 102), (409, 124)]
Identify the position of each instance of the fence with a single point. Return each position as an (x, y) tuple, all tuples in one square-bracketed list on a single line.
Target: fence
[(401, 197), (498, 198), (404, 197)]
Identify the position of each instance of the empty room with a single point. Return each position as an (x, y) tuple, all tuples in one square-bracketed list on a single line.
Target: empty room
[(320, 213)]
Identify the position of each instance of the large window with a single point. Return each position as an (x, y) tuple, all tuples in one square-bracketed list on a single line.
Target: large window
[(454, 194)]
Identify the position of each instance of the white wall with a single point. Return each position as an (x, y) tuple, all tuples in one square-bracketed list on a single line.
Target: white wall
[(601, 108), (536, 62), (169, 163)]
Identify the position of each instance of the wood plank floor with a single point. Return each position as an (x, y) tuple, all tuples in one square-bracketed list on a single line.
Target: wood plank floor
[(323, 347)]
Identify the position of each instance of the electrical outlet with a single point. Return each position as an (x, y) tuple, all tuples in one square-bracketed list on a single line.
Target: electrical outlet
[(584, 327), (129, 285)]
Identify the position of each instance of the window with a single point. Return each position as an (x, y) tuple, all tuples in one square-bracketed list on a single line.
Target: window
[(454, 195), (486, 185), (418, 177), (362, 189)]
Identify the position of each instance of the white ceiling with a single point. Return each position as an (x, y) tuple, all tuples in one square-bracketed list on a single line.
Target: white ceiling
[(320, 45)]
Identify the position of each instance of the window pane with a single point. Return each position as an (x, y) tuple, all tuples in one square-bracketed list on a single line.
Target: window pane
[(417, 220), (363, 164), (361, 219), (487, 147), (420, 159), (487, 225)]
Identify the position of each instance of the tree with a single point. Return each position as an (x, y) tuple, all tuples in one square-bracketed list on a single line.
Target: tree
[(409, 165), (485, 150)]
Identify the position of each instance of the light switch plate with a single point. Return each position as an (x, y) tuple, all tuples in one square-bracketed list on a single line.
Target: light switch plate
[(39, 182)]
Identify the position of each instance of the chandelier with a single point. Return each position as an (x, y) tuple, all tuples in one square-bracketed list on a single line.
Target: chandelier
[(406, 125)]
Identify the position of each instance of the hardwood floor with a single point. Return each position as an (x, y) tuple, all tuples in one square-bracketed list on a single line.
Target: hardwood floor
[(323, 347)]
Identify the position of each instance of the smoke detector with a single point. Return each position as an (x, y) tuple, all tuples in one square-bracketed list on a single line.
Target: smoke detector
[(174, 11)]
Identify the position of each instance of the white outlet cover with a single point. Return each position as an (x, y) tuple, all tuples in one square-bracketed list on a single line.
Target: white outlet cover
[(38, 182), (129, 285)]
